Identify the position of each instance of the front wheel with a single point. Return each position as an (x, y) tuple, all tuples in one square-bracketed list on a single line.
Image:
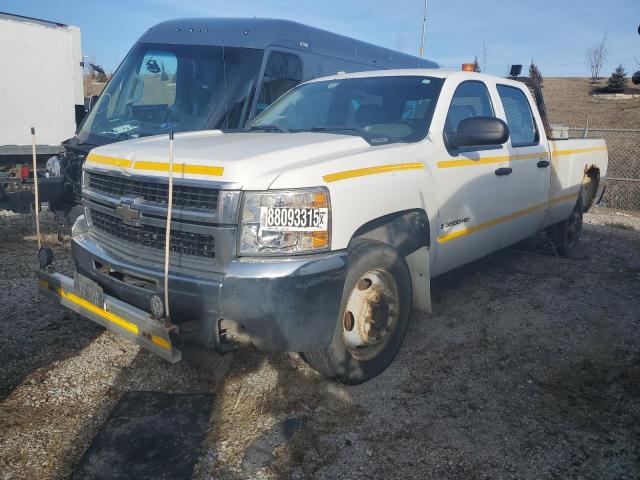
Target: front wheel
[(373, 318)]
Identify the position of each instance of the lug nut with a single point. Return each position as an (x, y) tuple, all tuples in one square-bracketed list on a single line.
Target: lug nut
[(348, 321)]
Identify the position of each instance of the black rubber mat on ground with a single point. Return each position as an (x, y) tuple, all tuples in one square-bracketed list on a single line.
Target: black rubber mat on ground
[(149, 435)]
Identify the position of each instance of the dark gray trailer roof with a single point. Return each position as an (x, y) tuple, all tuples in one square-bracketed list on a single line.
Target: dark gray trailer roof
[(264, 32)]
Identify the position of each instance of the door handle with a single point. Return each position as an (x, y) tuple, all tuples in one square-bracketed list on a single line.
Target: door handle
[(543, 164), (504, 171)]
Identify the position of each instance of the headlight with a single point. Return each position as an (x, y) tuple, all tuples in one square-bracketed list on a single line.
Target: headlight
[(285, 222), (53, 167)]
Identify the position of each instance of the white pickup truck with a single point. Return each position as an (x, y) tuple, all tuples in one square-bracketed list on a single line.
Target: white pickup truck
[(318, 229)]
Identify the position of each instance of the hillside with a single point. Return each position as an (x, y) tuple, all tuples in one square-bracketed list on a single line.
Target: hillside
[(568, 102)]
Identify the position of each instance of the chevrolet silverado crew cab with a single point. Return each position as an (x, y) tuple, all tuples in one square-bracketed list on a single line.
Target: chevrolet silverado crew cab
[(318, 230)]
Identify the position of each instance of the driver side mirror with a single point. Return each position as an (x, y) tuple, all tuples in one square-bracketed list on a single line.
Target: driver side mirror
[(479, 132)]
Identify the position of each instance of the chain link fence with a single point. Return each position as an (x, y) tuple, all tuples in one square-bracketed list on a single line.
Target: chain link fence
[(623, 177)]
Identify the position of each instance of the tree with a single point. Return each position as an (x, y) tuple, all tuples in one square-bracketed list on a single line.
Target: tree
[(618, 80), (535, 74), (97, 73), (596, 56), (476, 65)]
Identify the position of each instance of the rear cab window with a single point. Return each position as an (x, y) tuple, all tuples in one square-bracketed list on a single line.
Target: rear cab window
[(522, 126)]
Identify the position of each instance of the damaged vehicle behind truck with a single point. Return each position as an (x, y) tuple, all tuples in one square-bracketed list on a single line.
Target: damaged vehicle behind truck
[(318, 230), (209, 73)]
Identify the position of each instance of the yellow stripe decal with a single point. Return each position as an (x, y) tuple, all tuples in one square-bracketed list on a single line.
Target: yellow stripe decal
[(115, 162), (466, 231), (156, 166), (563, 198), (510, 158), (485, 160), (557, 153), (121, 322), (161, 342), (180, 168), (361, 172)]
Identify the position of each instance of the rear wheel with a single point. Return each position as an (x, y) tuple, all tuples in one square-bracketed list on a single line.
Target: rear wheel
[(566, 235), (373, 317)]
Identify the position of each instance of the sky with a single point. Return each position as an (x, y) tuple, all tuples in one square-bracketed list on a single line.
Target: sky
[(554, 33)]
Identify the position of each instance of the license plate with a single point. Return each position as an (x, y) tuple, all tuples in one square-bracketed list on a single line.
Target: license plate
[(294, 219), (89, 290)]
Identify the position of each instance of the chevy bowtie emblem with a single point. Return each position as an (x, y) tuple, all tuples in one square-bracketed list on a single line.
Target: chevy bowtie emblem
[(128, 214)]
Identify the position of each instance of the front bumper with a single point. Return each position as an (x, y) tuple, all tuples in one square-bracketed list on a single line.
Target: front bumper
[(284, 304), (114, 315)]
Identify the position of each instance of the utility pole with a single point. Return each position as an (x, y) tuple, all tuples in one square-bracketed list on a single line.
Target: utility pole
[(424, 27)]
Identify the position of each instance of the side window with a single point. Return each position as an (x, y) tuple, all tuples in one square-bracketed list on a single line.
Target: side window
[(471, 99), (522, 125), (281, 74)]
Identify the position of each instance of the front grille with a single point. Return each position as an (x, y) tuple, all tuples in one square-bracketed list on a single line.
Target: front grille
[(184, 243), (184, 196)]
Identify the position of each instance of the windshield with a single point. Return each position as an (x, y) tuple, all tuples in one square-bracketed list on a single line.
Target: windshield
[(378, 108), (174, 87)]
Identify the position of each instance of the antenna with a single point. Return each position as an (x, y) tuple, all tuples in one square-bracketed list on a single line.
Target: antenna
[(35, 185), (167, 238), (424, 28)]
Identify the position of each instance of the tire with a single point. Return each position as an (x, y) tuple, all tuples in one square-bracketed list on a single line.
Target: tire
[(366, 339), (66, 218), (566, 234)]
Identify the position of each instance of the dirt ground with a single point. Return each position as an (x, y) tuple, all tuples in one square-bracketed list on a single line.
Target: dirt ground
[(529, 367), (569, 102)]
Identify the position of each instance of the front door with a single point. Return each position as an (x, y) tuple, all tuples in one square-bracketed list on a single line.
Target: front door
[(471, 188)]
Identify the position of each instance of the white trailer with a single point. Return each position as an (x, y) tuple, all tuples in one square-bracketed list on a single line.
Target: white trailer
[(40, 86)]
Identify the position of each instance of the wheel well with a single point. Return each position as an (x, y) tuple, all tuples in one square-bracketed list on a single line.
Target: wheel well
[(406, 231), (590, 184)]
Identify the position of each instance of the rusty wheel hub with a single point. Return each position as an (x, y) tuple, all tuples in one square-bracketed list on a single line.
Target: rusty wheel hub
[(371, 314)]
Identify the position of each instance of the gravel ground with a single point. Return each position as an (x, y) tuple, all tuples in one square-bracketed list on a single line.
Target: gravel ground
[(529, 367)]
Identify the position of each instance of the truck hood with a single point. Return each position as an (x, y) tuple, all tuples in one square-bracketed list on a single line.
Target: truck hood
[(249, 160)]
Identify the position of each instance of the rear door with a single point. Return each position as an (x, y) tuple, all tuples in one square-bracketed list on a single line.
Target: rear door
[(528, 188), (471, 195)]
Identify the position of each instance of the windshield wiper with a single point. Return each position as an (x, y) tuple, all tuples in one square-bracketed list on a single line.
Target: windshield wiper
[(269, 128), (337, 128), (370, 138)]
